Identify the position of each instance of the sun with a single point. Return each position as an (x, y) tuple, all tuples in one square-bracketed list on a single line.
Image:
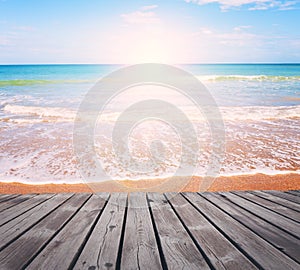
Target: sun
[(144, 45)]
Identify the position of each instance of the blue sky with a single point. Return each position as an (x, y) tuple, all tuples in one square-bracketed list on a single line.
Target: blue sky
[(167, 31)]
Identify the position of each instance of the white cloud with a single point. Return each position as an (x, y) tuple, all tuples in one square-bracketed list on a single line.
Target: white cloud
[(237, 37), (149, 7), (206, 31), (203, 31), (288, 5), (234, 45), (296, 44), (3, 41), (241, 43), (255, 4), (140, 17), (24, 28), (242, 27)]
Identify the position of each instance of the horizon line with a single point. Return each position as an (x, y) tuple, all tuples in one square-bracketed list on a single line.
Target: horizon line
[(122, 64)]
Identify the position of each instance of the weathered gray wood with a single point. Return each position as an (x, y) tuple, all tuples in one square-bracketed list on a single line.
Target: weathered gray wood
[(287, 224), (286, 196), (19, 225), (280, 209), (293, 192), (22, 208), (101, 250), (15, 201), (64, 248), (292, 205), (223, 255), (23, 250), (234, 231), (140, 249), (178, 248), (258, 249), (6, 197), (280, 239)]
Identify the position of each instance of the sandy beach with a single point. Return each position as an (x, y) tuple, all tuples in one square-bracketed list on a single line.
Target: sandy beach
[(41, 149), (223, 183)]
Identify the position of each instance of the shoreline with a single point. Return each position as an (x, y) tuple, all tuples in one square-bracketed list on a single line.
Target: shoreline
[(222, 183)]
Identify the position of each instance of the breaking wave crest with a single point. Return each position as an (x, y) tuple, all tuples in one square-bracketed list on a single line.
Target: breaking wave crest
[(217, 78), (36, 114), (39, 82)]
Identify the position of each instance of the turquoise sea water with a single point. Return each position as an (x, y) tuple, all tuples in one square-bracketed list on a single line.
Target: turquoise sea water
[(260, 104), (233, 84)]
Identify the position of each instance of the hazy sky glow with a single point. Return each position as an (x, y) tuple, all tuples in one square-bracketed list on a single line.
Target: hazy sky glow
[(166, 31)]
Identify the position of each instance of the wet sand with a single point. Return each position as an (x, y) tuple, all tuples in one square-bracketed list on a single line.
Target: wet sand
[(222, 183)]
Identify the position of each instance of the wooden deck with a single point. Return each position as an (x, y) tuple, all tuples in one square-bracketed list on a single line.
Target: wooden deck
[(231, 230)]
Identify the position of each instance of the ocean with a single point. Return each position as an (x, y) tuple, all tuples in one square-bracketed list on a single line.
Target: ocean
[(259, 104)]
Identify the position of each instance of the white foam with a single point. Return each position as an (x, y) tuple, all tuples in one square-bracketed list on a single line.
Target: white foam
[(39, 114), (14, 179), (260, 113), (261, 171), (237, 77)]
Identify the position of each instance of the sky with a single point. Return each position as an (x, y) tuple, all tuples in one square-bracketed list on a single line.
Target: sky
[(143, 31)]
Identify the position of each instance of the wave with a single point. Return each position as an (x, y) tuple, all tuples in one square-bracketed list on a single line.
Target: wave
[(41, 114), (35, 179), (260, 113), (272, 78), (211, 78), (39, 82), (35, 114), (248, 113)]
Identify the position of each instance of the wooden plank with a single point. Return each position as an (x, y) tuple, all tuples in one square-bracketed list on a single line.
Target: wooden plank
[(65, 247), (19, 253), (293, 192), (178, 249), (284, 223), (101, 249), (292, 205), (7, 197), (15, 201), (292, 214), (221, 253), (21, 208), (21, 224), (280, 239), (285, 196), (140, 250), (261, 252)]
